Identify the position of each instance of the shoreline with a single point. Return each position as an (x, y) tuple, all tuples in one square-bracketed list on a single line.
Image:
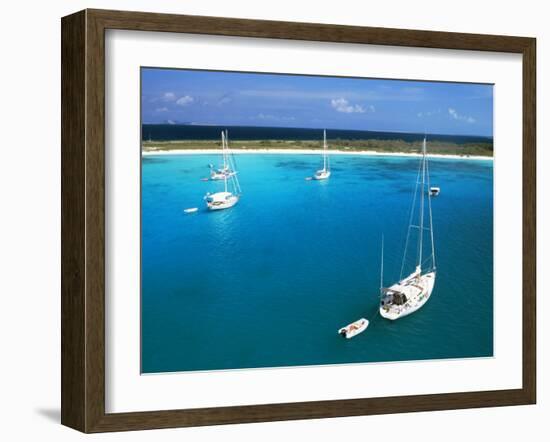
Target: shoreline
[(312, 152)]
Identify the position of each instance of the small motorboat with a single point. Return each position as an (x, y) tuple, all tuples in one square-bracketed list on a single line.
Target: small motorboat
[(353, 329), (435, 191), (191, 210)]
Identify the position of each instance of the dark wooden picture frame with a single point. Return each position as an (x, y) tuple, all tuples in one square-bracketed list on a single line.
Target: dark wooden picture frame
[(83, 220)]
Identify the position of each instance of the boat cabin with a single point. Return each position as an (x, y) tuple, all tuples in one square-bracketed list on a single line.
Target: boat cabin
[(393, 297)]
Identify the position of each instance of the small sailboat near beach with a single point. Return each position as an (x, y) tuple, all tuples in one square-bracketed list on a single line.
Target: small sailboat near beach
[(323, 173), (225, 170), (232, 189), (412, 292)]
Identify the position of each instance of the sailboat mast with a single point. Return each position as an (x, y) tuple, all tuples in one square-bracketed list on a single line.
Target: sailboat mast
[(224, 155), (382, 267), (430, 213), (324, 150), (422, 192)]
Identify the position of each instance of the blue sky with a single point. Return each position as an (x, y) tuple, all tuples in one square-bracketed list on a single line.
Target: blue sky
[(244, 99)]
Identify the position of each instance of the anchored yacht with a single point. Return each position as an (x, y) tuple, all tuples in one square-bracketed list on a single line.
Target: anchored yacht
[(323, 173), (232, 189), (412, 292), (225, 170)]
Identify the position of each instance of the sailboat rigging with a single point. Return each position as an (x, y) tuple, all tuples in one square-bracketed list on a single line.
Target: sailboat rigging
[(323, 173), (232, 189), (412, 292), (225, 170)]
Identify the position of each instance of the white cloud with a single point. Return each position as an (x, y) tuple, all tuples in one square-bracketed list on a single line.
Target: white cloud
[(343, 105), (169, 96), (170, 122), (428, 113), (161, 109), (185, 100), (456, 116)]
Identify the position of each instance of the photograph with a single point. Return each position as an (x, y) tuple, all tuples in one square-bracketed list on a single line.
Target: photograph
[(310, 220)]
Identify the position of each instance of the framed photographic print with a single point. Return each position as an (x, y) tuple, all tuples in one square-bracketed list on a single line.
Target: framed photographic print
[(267, 221)]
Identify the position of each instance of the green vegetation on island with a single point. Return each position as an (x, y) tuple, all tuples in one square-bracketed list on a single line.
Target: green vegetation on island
[(373, 145)]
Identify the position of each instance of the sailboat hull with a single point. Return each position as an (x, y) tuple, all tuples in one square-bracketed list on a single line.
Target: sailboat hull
[(321, 175), (217, 176), (221, 200), (220, 205), (416, 288), (221, 175)]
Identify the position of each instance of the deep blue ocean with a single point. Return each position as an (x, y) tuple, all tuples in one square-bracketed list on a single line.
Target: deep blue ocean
[(168, 132), (269, 282)]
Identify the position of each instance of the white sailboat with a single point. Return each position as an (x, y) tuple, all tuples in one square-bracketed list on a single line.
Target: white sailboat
[(412, 292), (323, 173), (225, 170), (232, 189)]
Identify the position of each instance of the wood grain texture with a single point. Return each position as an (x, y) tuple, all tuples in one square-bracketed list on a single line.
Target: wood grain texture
[(143, 21), (83, 220), (95, 221), (73, 258), (529, 220)]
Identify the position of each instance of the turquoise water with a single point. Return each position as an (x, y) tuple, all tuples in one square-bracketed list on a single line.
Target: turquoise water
[(269, 282)]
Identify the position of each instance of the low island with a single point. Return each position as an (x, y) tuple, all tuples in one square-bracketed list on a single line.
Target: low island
[(369, 146)]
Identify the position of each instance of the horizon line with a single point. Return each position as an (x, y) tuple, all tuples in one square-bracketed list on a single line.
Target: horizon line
[(315, 128)]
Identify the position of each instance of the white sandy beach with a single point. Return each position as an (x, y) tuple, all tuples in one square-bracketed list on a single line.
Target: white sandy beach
[(310, 152)]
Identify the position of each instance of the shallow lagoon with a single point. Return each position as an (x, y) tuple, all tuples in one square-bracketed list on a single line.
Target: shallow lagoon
[(269, 282)]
